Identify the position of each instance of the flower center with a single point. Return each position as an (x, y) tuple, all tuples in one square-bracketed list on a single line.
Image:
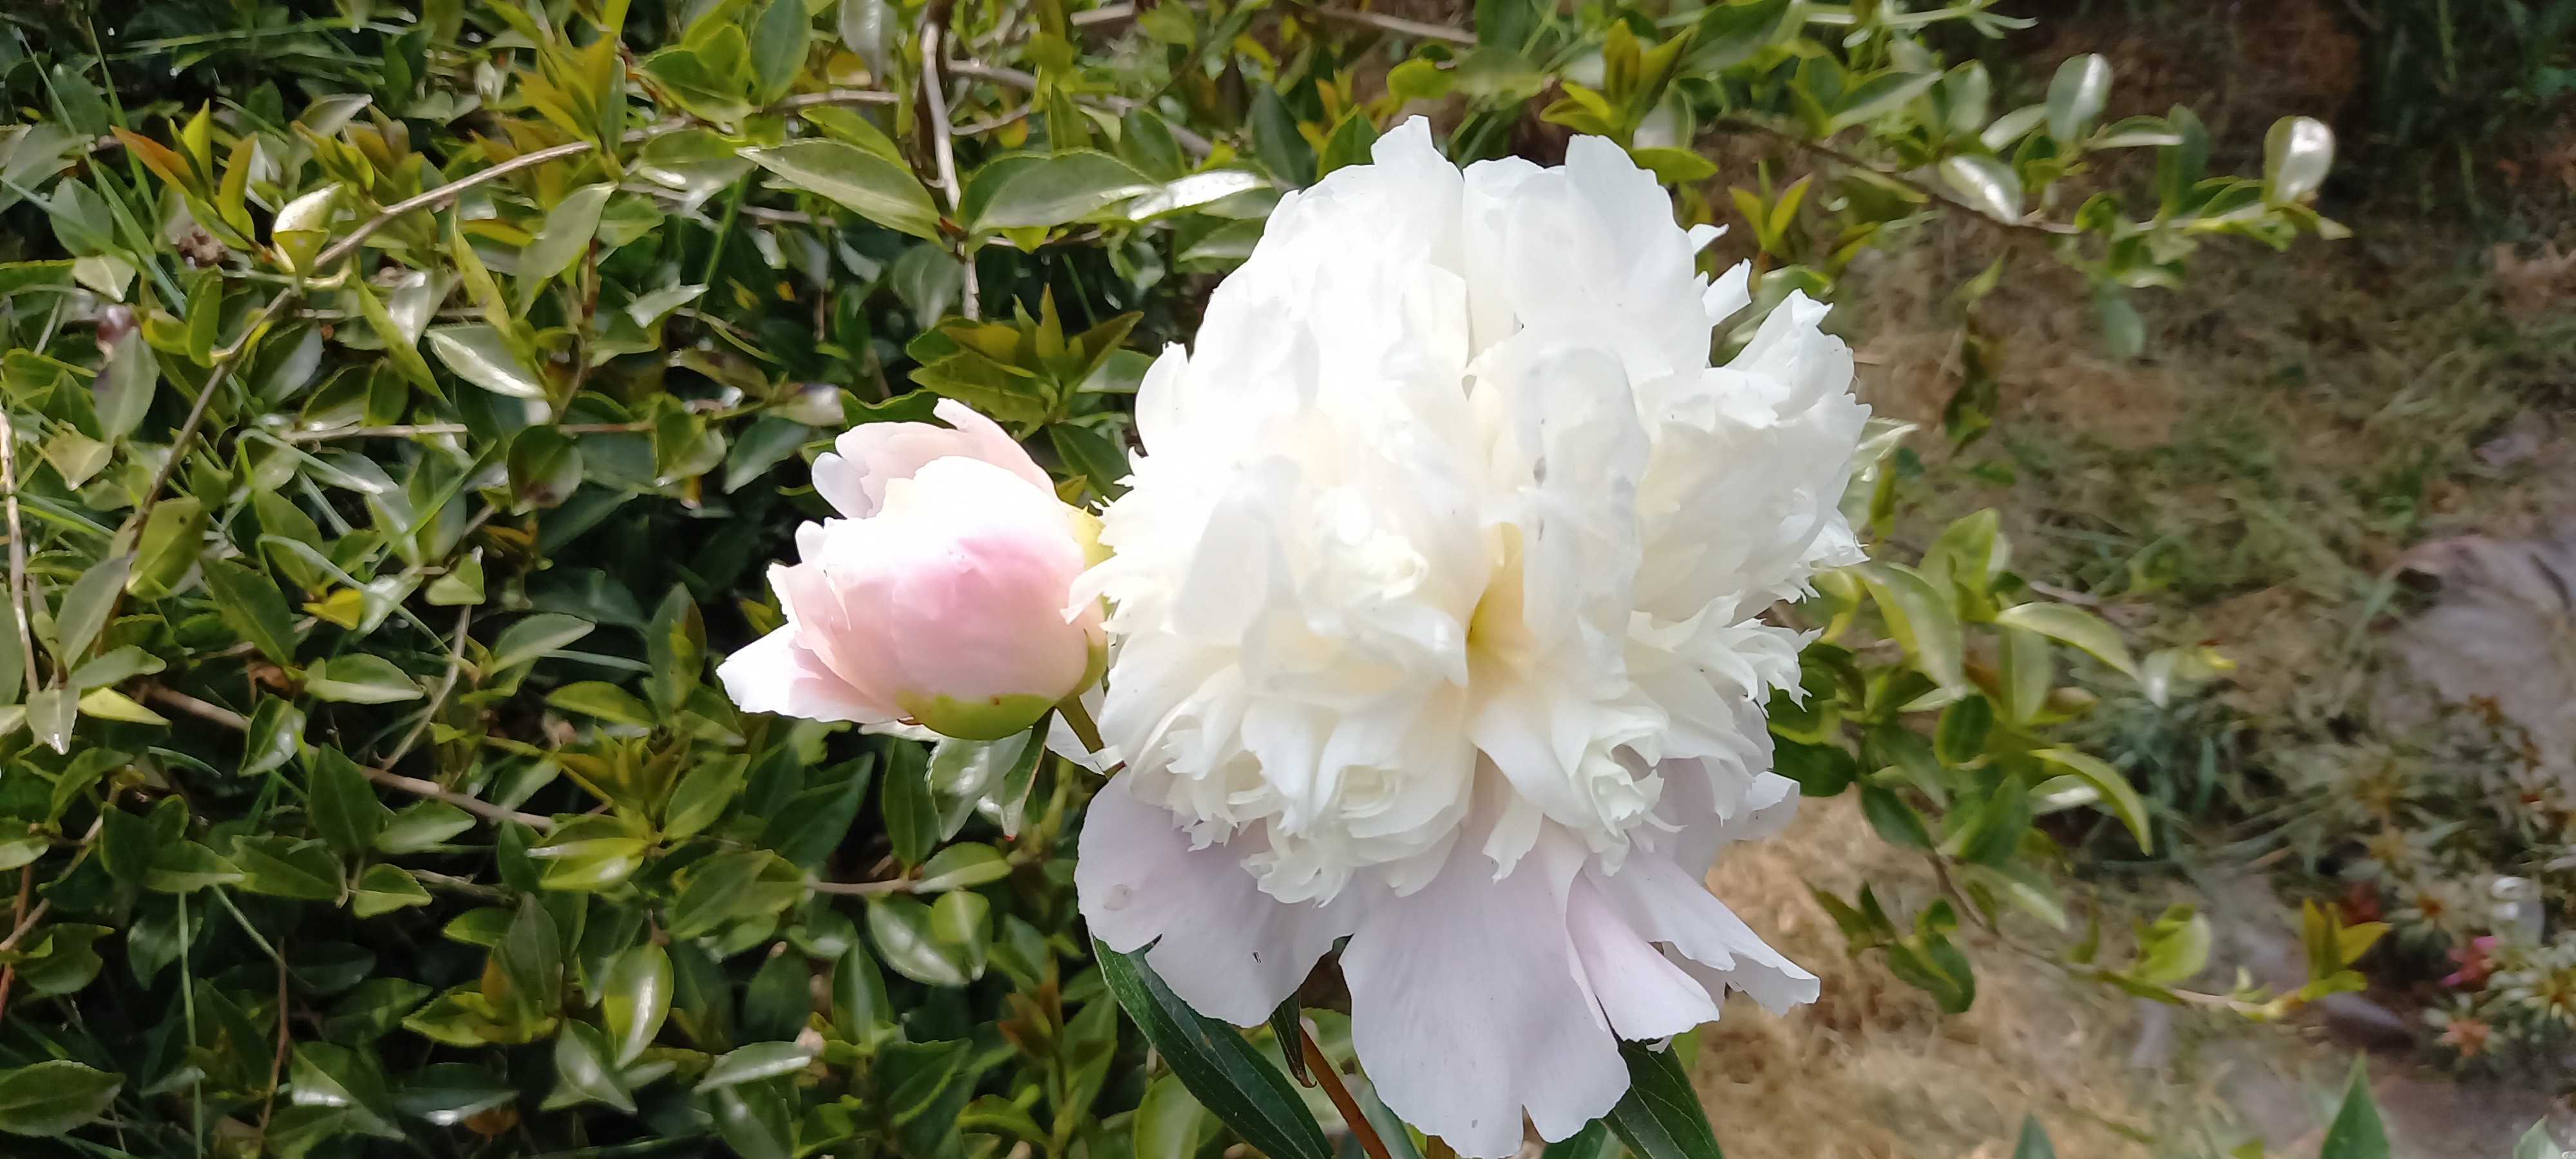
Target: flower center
[(1498, 633)]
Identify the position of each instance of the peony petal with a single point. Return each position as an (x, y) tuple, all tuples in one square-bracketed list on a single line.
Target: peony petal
[(774, 674), (1644, 995), (1468, 1008), (1226, 948), (1664, 904), (853, 476)]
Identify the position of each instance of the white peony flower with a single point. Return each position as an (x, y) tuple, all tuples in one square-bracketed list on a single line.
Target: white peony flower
[(1437, 601)]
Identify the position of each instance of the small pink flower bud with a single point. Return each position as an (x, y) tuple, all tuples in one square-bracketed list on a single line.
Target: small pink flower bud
[(942, 599)]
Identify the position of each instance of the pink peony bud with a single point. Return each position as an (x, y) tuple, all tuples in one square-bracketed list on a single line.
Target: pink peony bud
[(943, 599)]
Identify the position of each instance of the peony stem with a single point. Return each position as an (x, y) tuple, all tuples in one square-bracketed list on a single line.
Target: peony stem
[(1078, 718), (1352, 1116)]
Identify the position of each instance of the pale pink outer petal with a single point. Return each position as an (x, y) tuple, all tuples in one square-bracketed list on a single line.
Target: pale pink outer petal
[(853, 476), (776, 674), (1228, 949), (839, 616), (977, 573), (1645, 995), (1665, 904), (1468, 1006)]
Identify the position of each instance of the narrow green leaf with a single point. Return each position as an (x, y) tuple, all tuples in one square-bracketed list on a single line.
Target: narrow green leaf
[(2121, 796), (869, 185), (52, 1097), (1223, 1071), (253, 607), (1660, 1116)]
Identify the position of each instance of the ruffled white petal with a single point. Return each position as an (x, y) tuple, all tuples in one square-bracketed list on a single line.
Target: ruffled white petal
[(1226, 948), (1469, 1008)]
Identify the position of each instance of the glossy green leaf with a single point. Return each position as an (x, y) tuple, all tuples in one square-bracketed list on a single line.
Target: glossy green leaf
[(344, 804), (360, 678), (635, 999), (253, 607), (1923, 619), (1660, 1116), (52, 1097), (584, 1071), (385, 888), (1231, 1079), (2121, 796), (1024, 191), (757, 1061), (868, 185), (565, 236)]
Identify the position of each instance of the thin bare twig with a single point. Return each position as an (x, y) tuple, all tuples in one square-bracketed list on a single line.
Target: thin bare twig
[(203, 710), (446, 684), (9, 976), (17, 553), (836, 97), (1926, 188), (944, 149), (1413, 28), (1194, 144), (345, 246), (863, 888), (1352, 1116), (412, 785)]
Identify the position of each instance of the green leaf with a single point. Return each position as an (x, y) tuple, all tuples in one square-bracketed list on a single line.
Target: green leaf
[(869, 185), (859, 1004), (477, 353), (606, 701), (635, 999), (422, 825), (1350, 142), (589, 854), (778, 48), (1230, 1078), (564, 237), (545, 469), (2537, 1144), (84, 609), (2121, 796), (344, 804), (2034, 1141), (2075, 626), (2296, 154), (962, 866), (2356, 1132), (1029, 191), (1660, 1116), (911, 816), (757, 1061), (53, 1097), (173, 535), (1960, 736), (1989, 186), (64, 960), (901, 929), (360, 678), (285, 867), (2076, 96), (1170, 1123), (385, 888), (531, 638), (733, 886), (253, 607), (186, 867), (1924, 620), (583, 1072)]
